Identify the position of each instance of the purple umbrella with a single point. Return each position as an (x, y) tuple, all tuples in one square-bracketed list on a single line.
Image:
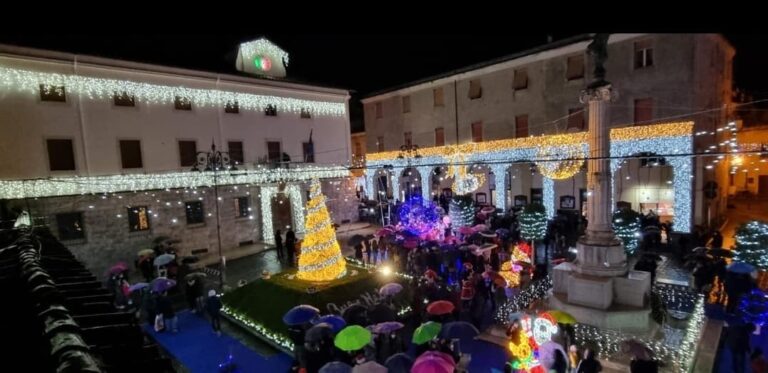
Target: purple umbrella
[(160, 285), (300, 314), (335, 367), (138, 286), (387, 327), (391, 288), (336, 322)]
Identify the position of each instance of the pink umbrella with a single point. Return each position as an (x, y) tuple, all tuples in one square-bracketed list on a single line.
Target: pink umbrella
[(466, 230), (384, 232), (433, 362), (118, 268), (411, 243), (479, 228)]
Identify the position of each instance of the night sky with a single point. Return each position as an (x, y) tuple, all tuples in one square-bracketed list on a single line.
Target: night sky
[(362, 63)]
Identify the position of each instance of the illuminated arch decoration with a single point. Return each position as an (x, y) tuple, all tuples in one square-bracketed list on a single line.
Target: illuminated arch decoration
[(667, 138), (293, 192)]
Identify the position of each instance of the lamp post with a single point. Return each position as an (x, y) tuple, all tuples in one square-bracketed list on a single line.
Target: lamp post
[(215, 160)]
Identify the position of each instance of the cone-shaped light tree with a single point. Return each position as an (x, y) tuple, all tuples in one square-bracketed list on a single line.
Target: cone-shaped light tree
[(320, 258)]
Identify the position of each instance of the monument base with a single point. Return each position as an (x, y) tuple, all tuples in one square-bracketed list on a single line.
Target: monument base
[(616, 317)]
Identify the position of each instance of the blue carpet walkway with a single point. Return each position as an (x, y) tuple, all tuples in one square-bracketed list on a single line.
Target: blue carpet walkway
[(201, 351)]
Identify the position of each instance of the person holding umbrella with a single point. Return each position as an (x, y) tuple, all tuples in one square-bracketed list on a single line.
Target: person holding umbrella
[(194, 293), (165, 307), (213, 307)]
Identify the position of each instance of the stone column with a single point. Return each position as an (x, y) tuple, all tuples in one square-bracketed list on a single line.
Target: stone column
[(369, 189), (396, 172), (600, 251), (425, 175)]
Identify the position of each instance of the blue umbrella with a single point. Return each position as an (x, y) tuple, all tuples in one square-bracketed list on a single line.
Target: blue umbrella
[(300, 314), (336, 322), (164, 259), (741, 267), (138, 286), (161, 284), (399, 363), (461, 330), (387, 327), (335, 367)]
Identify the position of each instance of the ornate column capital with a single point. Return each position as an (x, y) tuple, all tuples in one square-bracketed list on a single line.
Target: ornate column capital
[(601, 93)]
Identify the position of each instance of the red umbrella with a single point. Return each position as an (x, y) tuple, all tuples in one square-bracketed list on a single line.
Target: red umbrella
[(430, 274), (433, 362), (440, 307)]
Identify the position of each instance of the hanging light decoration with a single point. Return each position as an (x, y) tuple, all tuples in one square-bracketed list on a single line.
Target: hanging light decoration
[(560, 162)]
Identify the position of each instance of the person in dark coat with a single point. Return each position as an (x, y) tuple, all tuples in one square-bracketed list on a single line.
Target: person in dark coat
[(279, 245), (589, 364), (359, 252), (717, 240), (290, 246), (737, 339), (146, 268), (296, 335), (213, 307), (194, 291), (165, 307)]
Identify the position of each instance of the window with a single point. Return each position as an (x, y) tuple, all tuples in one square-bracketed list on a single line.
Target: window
[(70, 226), (575, 68), (187, 153), (477, 132), (232, 107), (406, 104), (194, 212), (236, 152), (475, 89), (55, 93), (242, 207), (407, 138), (61, 156), (379, 110), (138, 219), (380, 143), (270, 111), (643, 110), (124, 99), (521, 126), (130, 153), (643, 54), (273, 151), (182, 103), (305, 113), (521, 79), (439, 136), (576, 118), (437, 96), (309, 152)]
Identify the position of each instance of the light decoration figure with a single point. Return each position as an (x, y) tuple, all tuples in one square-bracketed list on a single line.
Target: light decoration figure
[(418, 216), (524, 343), (320, 257)]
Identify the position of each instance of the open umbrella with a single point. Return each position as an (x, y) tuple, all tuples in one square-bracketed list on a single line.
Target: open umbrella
[(637, 349), (387, 327), (118, 268), (195, 275), (440, 307), (335, 367), (426, 332), (162, 284), (466, 230), (502, 232), (391, 288), (430, 274), (138, 286), (399, 363), (356, 239), (164, 259), (318, 332), (488, 210), (381, 313), (488, 234), (384, 232), (433, 362), (411, 243), (369, 367), (461, 330), (741, 267), (146, 253), (352, 338), (547, 352), (336, 322), (300, 314), (562, 317), (355, 314), (479, 228)]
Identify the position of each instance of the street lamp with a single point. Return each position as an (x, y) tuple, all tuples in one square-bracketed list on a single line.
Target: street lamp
[(215, 160)]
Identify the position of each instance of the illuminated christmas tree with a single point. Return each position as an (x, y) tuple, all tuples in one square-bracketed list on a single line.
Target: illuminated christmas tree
[(752, 244), (533, 222), (461, 211), (320, 258), (626, 224)]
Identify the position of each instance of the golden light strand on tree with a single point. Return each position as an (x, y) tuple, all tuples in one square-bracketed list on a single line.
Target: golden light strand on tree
[(320, 258)]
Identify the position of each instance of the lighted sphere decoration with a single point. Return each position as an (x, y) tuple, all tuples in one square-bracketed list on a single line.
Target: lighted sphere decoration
[(560, 162), (419, 217)]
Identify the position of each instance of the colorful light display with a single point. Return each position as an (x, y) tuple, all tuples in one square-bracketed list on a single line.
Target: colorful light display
[(418, 216)]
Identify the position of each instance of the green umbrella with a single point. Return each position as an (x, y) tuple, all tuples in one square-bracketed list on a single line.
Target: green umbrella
[(562, 317), (426, 332), (352, 338)]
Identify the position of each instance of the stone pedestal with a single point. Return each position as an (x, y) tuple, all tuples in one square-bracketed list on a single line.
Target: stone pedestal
[(590, 291)]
